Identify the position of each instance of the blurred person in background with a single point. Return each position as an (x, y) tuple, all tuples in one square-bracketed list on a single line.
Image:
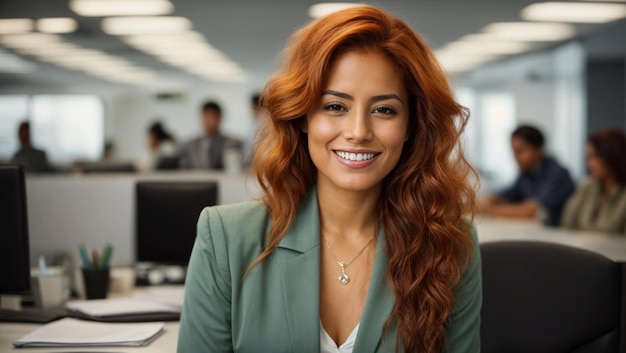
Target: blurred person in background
[(260, 116), (32, 159), (207, 151), (599, 203), (161, 144), (540, 190)]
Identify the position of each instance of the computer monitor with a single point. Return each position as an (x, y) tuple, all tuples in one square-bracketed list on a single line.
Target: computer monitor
[(166, 218), (14, 250)]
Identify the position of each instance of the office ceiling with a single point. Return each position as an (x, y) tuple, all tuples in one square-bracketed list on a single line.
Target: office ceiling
[(252, 32)]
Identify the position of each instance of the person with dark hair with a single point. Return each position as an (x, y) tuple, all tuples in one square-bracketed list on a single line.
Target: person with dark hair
[(161, 144), (32, 159), (361, 241), (542, 187), (207, 151), (599, 203)]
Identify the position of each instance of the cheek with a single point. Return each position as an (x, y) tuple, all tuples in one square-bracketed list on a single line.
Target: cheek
[(320, 130)]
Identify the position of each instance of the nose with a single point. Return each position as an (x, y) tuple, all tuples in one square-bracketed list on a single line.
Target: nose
[(358, 127)]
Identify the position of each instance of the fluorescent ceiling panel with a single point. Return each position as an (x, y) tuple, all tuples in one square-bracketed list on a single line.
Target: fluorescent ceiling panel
[(162, 39), (16, 25), (487, 48), (29, 40), (529, 31), (140, 25), (57, 25), (102, 8), (578, 12), (326, 8)]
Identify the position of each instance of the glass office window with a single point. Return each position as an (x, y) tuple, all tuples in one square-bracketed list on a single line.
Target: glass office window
[(13, 110), (497, 120), (68, 127)]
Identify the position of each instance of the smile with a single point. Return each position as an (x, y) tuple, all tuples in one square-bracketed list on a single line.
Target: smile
[(350, 156)]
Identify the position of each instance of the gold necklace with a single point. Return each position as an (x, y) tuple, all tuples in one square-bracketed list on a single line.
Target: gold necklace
[(344, 278)]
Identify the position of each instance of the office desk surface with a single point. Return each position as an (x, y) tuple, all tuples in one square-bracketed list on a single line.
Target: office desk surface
[(490, 229), (9, 332)]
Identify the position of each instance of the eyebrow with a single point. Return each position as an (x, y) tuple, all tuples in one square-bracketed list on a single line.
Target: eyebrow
[(372, 99)]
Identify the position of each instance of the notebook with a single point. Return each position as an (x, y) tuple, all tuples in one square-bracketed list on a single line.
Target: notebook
[(70, 332)]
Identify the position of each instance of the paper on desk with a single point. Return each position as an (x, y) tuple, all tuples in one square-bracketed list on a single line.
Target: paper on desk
[(70, 332), (121, 306)]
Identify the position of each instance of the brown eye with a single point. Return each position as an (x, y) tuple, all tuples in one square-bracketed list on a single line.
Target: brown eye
[(384, 110), (334, 107)]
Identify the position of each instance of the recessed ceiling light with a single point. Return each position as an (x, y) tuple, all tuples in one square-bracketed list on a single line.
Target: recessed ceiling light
[(573, 12), (57, 25), (141, 25), (16, 25), (104, 8), (326, 8), (529, 31)]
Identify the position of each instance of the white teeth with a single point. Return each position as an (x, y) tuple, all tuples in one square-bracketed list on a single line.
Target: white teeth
[(355, 156)]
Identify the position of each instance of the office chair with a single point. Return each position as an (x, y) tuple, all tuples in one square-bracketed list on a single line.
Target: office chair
[(549, 298)]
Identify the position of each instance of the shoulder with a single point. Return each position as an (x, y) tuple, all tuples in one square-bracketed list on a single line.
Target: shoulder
[(589, 184), (242, 223), (232, 142), (554, 167), (238, 215), (191, 143)]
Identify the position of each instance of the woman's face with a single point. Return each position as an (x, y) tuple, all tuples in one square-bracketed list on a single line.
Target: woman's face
[(357, 130), (596, 166)]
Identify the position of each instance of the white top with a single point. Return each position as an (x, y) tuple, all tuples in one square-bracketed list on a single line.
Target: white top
[(327, 345)]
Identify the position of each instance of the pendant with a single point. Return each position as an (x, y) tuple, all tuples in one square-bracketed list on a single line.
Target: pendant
[(343, 278)]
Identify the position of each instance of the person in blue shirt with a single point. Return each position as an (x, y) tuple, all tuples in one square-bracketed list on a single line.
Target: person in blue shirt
[(541, 189)]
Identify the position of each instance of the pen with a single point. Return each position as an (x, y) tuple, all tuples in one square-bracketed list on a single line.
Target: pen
[(94, 259), (84, 257), (106, 256)]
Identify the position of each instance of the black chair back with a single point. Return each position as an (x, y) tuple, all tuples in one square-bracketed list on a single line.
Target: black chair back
[(549, 298)]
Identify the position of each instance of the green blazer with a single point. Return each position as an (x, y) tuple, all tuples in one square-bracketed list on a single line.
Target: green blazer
[(275, 308)]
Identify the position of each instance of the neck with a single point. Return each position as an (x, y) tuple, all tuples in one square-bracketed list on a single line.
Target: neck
[(347, 214)]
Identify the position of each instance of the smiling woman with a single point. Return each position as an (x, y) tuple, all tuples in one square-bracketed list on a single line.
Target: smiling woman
[(360, 242)]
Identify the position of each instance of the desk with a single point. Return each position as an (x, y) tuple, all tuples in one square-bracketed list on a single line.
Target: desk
[(490, 229), (166, 342), (9, 332)]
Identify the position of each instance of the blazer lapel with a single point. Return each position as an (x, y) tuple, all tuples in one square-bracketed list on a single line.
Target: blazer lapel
[(301, 278), (378, 305)]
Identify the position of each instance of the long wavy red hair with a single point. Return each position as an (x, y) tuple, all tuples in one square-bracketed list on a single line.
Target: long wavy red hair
[(426, 196)]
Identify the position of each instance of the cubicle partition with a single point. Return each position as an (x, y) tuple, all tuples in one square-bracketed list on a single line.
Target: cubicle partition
[(66, 211)]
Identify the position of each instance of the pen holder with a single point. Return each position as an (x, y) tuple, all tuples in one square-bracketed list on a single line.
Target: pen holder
[(96, 283)]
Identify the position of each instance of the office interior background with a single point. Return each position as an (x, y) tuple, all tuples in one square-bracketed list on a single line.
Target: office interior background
[(87, 76)]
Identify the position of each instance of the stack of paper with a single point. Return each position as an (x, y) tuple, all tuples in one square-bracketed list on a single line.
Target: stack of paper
[(126, 309), (70, 332), (120, 306)]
